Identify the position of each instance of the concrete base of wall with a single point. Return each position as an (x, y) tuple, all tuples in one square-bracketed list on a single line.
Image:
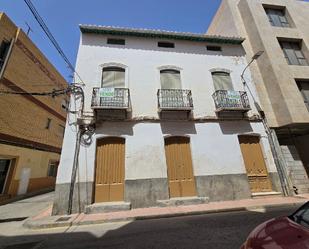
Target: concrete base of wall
[(146, 192), (154, 192), (275, 181), (223, 187), (82, 197)]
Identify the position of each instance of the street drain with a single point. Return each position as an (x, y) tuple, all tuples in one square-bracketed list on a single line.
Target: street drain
[(63, 219), (28, 245)]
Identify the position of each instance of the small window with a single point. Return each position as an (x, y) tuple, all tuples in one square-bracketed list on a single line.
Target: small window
[(303, 87), (277, 17), (4, 49), (61, 130), (48, 123), (52, 169), (166, 44), (170, 79), (213, 48), (293, 53), (113, 77), (115, 41), (222, 81)]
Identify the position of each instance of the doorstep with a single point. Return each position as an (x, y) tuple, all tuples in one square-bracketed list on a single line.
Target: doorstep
[(183, 201), (265, 194), (105, 207)]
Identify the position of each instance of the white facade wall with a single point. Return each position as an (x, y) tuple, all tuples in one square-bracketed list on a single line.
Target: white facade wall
[(214, 143)]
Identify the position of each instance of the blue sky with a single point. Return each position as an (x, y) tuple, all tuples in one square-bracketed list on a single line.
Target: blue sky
[(63, 16)]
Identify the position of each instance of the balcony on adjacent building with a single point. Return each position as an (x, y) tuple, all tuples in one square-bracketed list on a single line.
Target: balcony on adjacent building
[(110, 103), (231, 101), (175, 100)]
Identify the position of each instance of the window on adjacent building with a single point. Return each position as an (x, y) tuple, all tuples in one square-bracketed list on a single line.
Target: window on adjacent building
[(113, 77), (4, 49), (61, 130), (48, 123), (293, 53), (116, 41), (277, 17), (52, 169), (213, 48), (170, 79), (222, 81), (166, 44), (303, 86)]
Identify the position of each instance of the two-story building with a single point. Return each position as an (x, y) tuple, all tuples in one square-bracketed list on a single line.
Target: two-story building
[(31, 126), (173, 123), (280, 29)]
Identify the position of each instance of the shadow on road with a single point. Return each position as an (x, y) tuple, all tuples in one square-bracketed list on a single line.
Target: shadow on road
[(211, 231)]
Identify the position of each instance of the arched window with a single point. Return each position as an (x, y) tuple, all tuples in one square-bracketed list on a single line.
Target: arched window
[(222, 81), (170, 79), (113, 77)]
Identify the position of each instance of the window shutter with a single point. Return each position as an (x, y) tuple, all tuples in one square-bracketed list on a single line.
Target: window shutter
[(170, 79), (304, 88), (113, 78), (222, 81)]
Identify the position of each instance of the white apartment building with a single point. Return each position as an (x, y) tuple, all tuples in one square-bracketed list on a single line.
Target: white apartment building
[(173, 123)]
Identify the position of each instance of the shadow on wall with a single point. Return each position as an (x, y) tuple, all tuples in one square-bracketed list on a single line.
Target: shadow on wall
[(235, 127), (178, 128), (184, 47), (115, 128)]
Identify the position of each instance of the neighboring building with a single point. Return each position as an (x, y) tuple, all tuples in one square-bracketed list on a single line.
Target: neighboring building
[(31, 127), (280, 28), (173, 123)]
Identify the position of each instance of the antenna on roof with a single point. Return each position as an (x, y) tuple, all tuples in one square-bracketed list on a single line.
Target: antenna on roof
[(29, 29)]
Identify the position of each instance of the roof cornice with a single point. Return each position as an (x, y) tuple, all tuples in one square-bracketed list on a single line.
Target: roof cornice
[(161, 34)]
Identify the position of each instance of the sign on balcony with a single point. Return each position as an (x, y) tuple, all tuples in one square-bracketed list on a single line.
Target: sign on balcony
[(107, 92), (233, 95)]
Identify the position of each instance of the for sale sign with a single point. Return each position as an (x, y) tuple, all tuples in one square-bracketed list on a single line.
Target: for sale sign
[(107, 92)]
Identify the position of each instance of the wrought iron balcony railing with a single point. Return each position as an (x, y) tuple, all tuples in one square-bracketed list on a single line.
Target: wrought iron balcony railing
[(175, 99), (110, 98), (231, 101)]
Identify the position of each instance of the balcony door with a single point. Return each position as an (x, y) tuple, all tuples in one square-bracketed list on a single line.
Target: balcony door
[(179, 167), (222, 81), (109, 173), (113, 77), (255, 164)]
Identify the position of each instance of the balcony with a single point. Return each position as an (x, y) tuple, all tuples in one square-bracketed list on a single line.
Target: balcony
[(111, 103), (231, 101), (175, 100)]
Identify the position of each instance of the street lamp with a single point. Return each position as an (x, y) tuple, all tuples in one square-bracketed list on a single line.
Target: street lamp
[(254, 57)]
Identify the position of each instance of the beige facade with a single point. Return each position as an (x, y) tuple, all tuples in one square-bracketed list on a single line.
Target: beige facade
[(31, 127), (268, 25)]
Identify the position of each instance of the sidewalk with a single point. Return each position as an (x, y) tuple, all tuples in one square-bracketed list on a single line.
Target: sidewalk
[(45, 220)]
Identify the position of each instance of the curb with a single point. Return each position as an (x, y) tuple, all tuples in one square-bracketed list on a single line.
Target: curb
[(77, 221)]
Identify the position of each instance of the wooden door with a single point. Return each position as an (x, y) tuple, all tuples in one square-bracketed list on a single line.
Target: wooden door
[(109, 179), (255, 164), (179, 167)]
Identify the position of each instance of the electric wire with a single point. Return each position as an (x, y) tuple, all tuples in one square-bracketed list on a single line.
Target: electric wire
[(51, 37)]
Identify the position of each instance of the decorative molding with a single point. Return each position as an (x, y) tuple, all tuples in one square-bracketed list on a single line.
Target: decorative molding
[(34, 100), (16, 141), (172, 67), (36, 61), (220, 70)]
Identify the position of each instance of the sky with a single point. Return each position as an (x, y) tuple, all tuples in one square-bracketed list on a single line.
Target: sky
[(63, 17)]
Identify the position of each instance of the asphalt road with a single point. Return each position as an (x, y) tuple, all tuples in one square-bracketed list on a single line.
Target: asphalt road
[(211, 231)]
